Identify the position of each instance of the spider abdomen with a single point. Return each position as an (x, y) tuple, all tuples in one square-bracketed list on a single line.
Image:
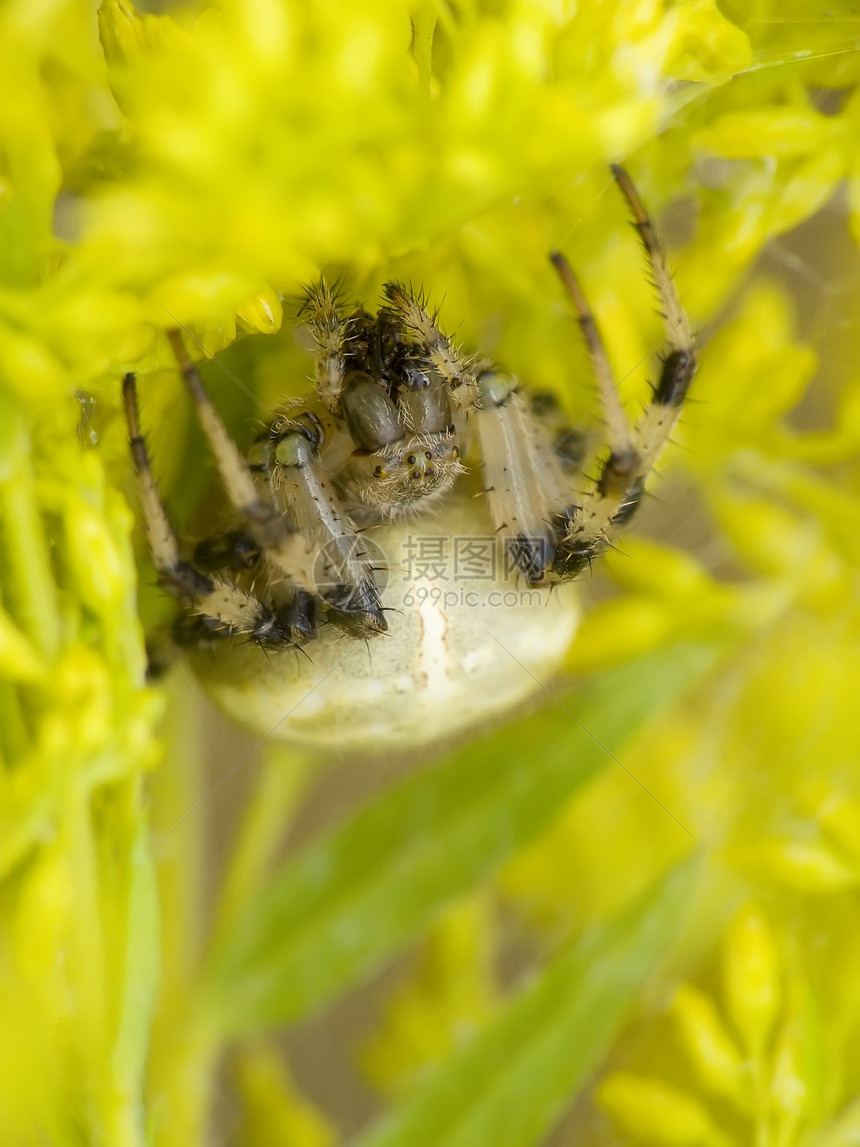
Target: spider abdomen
[(466, 641)]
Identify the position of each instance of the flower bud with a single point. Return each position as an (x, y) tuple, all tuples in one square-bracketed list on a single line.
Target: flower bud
[(710, 1047), (751, 977), (651, 1109), (262, 312)]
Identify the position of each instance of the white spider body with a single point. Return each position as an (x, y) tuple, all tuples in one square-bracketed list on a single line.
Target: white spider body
[(456, 653)]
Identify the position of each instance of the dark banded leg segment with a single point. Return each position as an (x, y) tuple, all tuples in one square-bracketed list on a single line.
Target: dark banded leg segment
[(679, 365), (232, 550), (220, 604), (633, 451), (286, 550), (306, 494)]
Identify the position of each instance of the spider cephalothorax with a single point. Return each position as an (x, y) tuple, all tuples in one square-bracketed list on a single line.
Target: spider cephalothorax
[(374, 376), (397, 408)]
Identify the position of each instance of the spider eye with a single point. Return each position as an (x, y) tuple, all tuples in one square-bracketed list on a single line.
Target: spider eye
[(416, 474), (455, 453), (411, 459), (378, 472), (427, 455)]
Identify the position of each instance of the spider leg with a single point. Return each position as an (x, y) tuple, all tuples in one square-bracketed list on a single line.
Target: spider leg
[(328, 327), (569, 443), (341, 573), (678, 332), (679, 365), (524, 479), (620, 483), (221, 604), (289, 548), (232, 550), (432, 349), (618, 428)]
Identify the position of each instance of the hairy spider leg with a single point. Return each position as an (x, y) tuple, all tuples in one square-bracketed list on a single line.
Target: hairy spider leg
[(569, 443), (214, 599), (231, 550), (342, 573), (257, 516), (324, 317), (523, 476), (619, 432), (524, 480), (679, 365), (633, 451), (433, 350), (290, 552), (678, 332)]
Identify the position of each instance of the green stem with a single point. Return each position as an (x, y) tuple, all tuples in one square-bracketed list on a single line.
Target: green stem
[(184, 1053), (281, 783), (423, 28), (32, 594), (181, 1082), (14, 738)]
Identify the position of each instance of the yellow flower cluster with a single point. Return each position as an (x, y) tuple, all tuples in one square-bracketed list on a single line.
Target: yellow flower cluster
[(768, 1063)]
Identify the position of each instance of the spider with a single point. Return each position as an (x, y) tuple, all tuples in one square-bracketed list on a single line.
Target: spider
[(326, 502)]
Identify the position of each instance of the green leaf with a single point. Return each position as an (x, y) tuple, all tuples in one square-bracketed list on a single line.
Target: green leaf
[(510, 1083), (356, 896)]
